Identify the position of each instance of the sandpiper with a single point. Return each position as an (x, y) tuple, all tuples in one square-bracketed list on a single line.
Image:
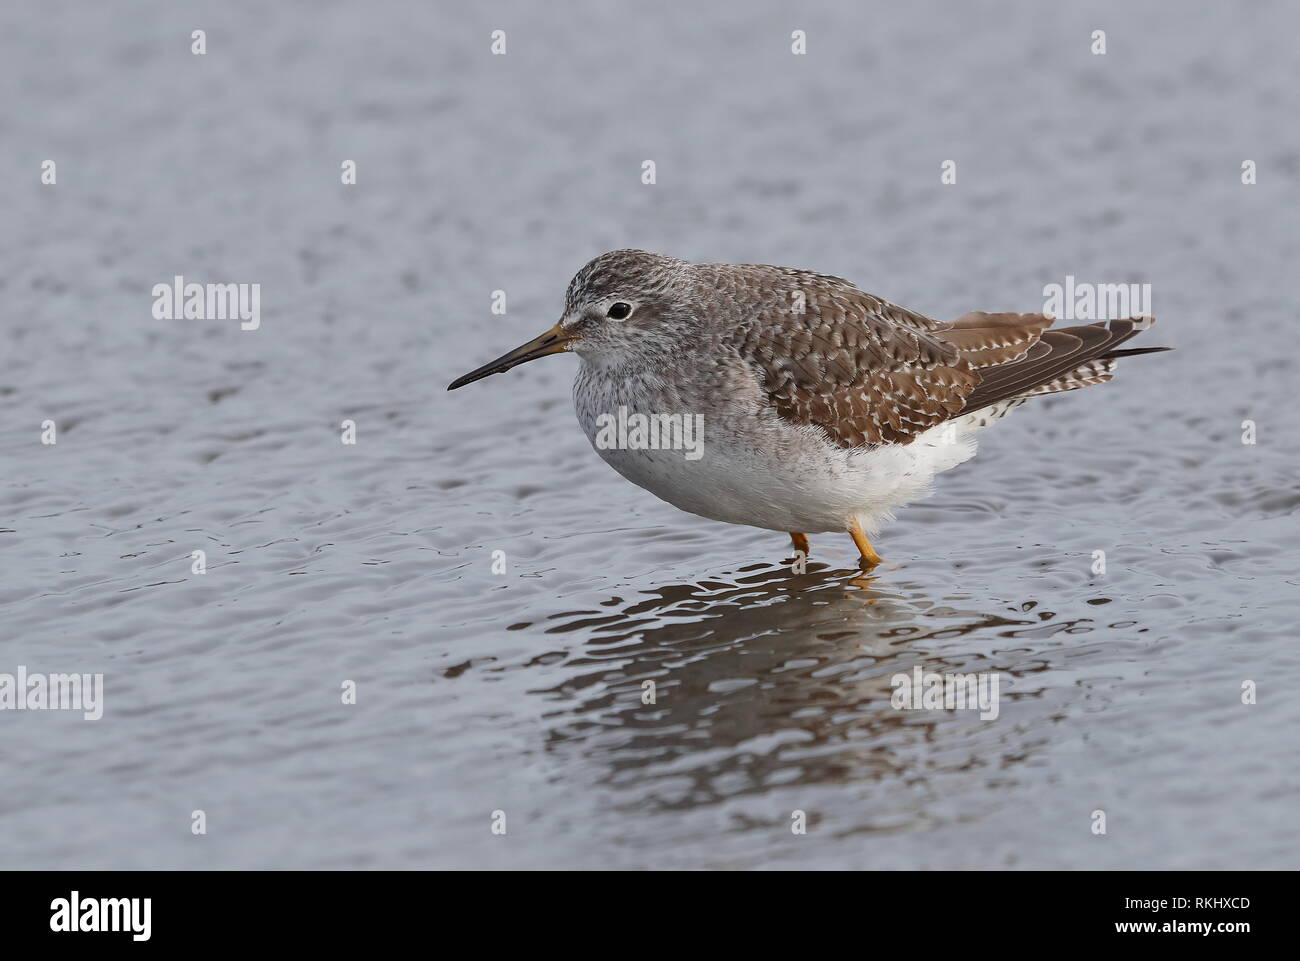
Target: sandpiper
[(824, 407)]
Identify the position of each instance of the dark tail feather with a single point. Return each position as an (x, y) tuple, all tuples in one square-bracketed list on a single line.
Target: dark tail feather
[(1134, 351), (1064, 358)]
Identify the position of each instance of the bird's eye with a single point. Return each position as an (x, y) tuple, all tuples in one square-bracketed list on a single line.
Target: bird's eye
[(619, 311)]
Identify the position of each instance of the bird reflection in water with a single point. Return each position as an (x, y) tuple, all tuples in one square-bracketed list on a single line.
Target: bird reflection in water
[(762, 679)]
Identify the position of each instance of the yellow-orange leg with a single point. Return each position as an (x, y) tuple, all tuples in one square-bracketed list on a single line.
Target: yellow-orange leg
[(869, 558), (800, 542)]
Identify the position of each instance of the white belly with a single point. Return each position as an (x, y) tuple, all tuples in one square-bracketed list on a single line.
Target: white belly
[(744, 486), (758, 470)]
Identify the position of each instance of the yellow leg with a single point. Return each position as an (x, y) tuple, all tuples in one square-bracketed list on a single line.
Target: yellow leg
[(800, 542), (869, 558)]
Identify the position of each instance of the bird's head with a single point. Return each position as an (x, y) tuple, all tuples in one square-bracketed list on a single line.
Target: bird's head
[(624, 307)]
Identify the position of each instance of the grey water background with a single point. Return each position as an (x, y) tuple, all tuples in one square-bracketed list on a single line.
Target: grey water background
[(521, 692)]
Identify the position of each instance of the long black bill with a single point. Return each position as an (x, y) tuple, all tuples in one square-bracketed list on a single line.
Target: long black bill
[(553, 341)]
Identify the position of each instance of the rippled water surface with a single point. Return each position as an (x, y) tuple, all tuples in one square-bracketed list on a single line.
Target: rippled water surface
[(521, 691)]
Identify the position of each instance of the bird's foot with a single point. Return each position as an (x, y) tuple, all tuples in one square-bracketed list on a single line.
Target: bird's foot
[(800, 557), (868, 558)]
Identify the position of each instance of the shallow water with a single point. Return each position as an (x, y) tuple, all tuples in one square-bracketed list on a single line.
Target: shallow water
[(521, 692)]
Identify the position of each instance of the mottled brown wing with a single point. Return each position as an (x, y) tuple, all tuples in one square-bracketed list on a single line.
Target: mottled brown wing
[(867, 371)]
